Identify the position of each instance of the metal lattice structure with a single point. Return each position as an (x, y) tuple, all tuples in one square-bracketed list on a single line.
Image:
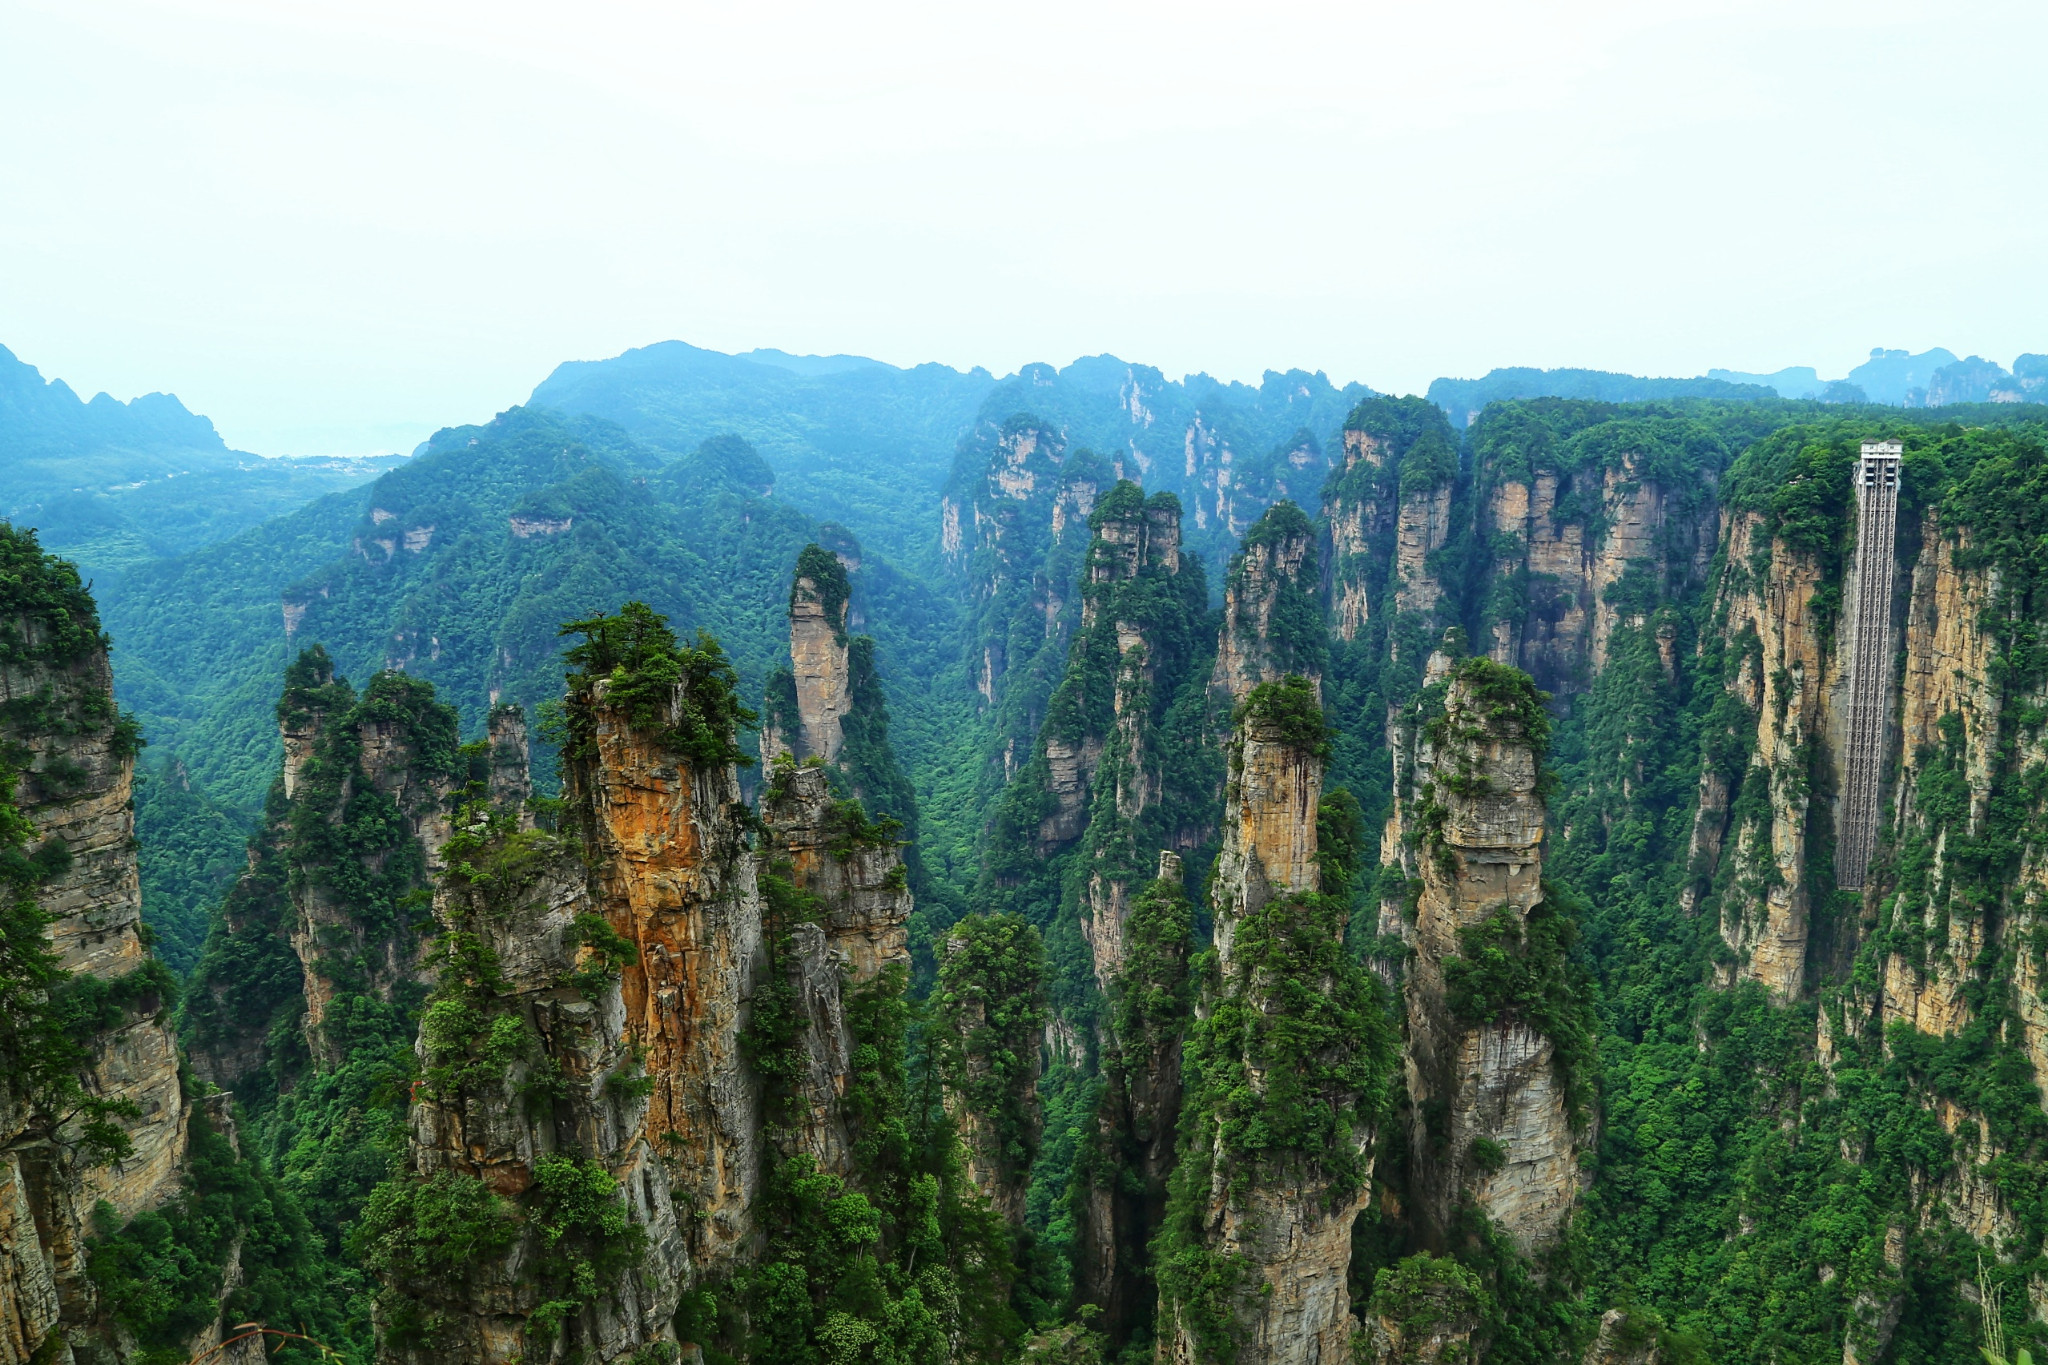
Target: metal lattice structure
[(1870, 659)]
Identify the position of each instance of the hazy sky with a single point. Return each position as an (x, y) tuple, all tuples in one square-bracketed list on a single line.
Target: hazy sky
[(333, 227)]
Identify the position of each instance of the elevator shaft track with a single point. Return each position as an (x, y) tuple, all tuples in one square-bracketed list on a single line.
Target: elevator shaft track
[(1870, 659)]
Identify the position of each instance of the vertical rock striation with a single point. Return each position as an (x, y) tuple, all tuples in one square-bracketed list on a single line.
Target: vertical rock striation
[(820, 681), (1121, 767), (1272, 620), (67, 764), (1288, 1070), (1493, 1116), (588, 1120), (849, 902), (1122, 1187), (1585, 528)]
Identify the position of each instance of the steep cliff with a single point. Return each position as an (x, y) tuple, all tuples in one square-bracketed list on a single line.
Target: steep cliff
[(1014, 525), (1121, 1172), (586, 1137), (990, 1006), (1119, 767), (91, 1104), (350, 839), (663, 1094), (828, 707), (1587, 518), (135, 1228), (1753, 835), (837, 892), (1272, 620), (1499, 1044), (1288, 1072)]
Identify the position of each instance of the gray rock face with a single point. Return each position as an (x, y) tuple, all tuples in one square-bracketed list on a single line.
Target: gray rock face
[(1288, 1221), (76, 790), (1472, 803)]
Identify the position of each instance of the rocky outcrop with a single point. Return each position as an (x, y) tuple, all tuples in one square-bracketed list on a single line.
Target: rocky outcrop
[(1785, 672), (856, 875), (550, 1101), (1269, 825), (390, 752), (990, 1018), (1140, 606), (849, 875), (1122, 1207), (70, 762), (1625, 1338), (1422, 528), (1424, 1311), (1492, 1118), (1279, 1215), (1357, 514), (1272, 624), (510, 780), (1014, 523), (1122, 765), (583, 1059), (817, 650), (1949, 715), (668, 839)]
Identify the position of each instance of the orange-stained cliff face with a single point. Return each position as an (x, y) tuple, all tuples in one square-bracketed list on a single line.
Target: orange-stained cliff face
[(673, 875), (640, 1049)]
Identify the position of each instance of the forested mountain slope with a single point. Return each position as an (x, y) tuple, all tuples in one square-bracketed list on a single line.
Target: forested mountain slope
[(459, 567)]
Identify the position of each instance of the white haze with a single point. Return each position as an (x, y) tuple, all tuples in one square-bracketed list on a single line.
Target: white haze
[(335, 226)]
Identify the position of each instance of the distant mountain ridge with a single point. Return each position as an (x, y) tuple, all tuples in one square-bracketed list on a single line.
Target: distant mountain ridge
[(1465, 399), (112, 485)]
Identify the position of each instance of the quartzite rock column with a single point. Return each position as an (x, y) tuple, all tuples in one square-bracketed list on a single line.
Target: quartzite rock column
[(1477, 817), (1278, 1213)]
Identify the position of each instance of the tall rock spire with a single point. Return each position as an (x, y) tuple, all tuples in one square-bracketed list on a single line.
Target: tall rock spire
[(808, 705), (1289, 1072), (585, 1096), (1272, 621), (1121, 767), (1496, 1084), (105, 1084), (1360, 502)]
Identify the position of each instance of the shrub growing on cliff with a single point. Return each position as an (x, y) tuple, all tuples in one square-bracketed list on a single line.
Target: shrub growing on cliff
[(1506, 972), (828, 580), (1289, 708), (688, 695)]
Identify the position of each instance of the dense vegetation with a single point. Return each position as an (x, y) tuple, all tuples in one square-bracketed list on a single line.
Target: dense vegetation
[(1759, 1168)]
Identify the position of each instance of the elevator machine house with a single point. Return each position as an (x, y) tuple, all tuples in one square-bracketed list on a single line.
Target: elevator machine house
[(1870, 658)]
